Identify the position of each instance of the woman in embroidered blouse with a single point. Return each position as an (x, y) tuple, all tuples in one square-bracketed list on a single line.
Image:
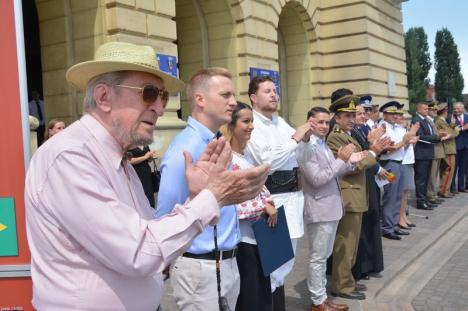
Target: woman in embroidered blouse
[(255, 289)]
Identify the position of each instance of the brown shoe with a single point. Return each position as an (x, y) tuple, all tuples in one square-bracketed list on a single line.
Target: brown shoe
[(445, 195), (337, 306), (324, 307)]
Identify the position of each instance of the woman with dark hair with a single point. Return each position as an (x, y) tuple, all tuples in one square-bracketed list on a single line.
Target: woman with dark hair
[(54, 126), (255, 288)]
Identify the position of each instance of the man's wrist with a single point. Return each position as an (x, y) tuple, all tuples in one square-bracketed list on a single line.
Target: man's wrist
[(293, 138)]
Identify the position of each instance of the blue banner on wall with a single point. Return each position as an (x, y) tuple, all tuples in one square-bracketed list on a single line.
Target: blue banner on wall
[(274, 75), (167, 63)]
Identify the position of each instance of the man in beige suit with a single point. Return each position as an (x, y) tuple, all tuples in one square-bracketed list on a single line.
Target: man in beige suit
[(322, 200)]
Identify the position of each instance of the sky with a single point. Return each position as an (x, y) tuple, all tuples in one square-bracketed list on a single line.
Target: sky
[(433, 15)]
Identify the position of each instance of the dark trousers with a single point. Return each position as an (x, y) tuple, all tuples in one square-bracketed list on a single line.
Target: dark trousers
[(461, 165), (422, 172), (255, 289)]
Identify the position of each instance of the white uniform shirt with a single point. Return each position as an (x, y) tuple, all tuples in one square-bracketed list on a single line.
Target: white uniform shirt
[(271, 143), (396, 133)]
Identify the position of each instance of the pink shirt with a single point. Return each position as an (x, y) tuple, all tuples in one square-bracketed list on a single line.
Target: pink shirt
[(93, 240)]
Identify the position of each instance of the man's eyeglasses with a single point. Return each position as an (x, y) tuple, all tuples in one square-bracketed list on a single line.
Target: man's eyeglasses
[(149, 93)]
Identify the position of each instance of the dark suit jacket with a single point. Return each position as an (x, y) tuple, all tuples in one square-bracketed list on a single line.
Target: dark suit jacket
[(359, 133), (462, 138), (424, 151)]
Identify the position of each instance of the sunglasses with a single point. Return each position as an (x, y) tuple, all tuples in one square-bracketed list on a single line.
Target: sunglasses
[(149, 93)]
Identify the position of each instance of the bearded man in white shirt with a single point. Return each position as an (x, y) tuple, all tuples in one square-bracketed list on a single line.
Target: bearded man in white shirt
[(274, 141)]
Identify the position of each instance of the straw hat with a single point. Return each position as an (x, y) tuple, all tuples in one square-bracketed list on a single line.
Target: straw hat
[(117, 56)]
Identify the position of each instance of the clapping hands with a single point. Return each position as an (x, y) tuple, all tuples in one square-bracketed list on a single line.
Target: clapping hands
[(211, 172)]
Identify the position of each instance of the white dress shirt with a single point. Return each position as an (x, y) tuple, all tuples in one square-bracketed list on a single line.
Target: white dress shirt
[(271, 143)]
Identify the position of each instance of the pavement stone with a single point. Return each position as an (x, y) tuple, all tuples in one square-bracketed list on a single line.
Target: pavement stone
[(448, 289), (398, 255)]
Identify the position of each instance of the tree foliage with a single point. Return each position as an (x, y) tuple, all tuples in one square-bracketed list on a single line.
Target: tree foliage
[(418, 63), (448, 78)]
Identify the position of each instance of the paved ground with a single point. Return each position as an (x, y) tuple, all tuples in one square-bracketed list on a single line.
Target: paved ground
[(427, 270), (448, 289)]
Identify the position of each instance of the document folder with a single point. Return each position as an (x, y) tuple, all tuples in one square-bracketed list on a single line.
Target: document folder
[(274, 243)]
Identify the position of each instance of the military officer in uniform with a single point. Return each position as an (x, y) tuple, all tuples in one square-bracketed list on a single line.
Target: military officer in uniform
[(447, 165), (392, 162), (354, 195), (439, 155)]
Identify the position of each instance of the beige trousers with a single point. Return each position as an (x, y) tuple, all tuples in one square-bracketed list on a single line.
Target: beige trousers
[(433, 180), (195, 287)]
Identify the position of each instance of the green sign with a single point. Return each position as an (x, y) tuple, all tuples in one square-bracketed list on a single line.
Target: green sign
[(8, 239)]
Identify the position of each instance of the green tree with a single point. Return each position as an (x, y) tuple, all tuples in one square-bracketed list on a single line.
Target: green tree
[(418, 63), (448, 78)]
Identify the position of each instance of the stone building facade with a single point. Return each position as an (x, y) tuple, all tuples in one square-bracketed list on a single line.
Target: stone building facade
[(316, 46)]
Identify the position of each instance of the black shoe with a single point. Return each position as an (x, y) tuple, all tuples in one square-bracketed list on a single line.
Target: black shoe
[(401, 232), (391, 236), (353, 295), (435, 203), (404, 228), (365, 276), (462, 190), (411, 225), (360, 287), (425, 207)]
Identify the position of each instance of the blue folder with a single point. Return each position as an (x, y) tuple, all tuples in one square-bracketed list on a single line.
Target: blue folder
[(274, 244)]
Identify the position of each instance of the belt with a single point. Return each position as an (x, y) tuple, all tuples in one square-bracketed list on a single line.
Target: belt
[(283, 181), (395, 161), (212, 255)]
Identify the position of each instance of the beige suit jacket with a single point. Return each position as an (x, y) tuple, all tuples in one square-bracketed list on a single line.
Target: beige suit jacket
[(319, 173)]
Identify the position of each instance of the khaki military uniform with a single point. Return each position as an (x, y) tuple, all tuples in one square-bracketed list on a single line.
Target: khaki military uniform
[(439, 154), (447, 165), (354, 195)]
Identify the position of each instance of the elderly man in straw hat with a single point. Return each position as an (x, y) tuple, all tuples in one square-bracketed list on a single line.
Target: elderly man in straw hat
[(93, 239)]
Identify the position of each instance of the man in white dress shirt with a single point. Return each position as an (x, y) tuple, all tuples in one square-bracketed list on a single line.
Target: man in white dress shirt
[(274, 141)]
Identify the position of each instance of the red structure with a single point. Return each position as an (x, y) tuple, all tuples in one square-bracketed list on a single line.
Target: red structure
[(15, 281)]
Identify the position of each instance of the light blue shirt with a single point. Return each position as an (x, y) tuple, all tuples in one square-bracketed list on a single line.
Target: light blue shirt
[(173, 188)]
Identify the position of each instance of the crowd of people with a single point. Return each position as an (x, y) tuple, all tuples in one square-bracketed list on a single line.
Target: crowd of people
[(343, 177)]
